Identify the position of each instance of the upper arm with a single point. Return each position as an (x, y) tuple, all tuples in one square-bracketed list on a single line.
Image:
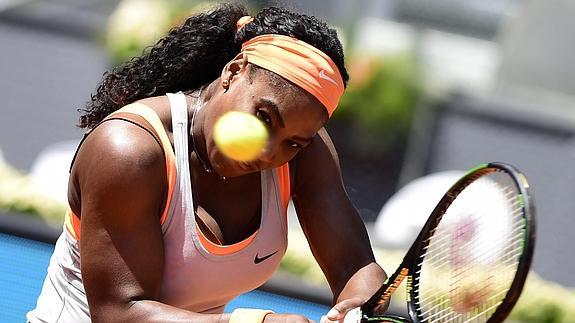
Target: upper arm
[(335, 232), (120, 171)]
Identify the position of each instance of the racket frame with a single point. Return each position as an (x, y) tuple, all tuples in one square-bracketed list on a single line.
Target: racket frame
[(410, 267)]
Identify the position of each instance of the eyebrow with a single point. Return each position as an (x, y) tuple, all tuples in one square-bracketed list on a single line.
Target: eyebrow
[(276, 111)]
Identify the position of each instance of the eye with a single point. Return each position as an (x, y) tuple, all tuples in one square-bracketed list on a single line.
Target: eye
[(264, 116), (294, 144)]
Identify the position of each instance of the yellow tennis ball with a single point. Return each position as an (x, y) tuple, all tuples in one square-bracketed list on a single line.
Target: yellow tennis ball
[(240, 136)]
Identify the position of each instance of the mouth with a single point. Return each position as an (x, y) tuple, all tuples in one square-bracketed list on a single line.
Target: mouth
[(249, 167), (231, 168)]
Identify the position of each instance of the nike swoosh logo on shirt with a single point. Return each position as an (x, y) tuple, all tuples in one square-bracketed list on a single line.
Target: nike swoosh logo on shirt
[(257, 259), (325, 77)]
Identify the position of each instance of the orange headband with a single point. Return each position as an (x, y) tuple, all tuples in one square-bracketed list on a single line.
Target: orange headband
[(300, 63)]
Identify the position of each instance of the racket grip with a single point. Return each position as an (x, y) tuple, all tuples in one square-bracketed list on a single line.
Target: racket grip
[(353, 316)]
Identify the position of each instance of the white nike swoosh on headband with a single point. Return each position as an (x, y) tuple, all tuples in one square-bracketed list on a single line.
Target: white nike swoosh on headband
[(325, 77)]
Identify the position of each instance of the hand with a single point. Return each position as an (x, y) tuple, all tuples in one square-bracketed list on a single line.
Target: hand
[(284, 318), (339, 310)]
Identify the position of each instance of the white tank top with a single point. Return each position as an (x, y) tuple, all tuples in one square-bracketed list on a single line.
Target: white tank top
[(201, 276), (198, 275)]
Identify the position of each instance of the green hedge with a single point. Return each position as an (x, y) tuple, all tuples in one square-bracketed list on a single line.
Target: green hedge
[(19, 195), (135, 25), (380, 99)]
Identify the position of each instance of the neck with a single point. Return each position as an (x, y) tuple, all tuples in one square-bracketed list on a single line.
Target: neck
[(198, 101)]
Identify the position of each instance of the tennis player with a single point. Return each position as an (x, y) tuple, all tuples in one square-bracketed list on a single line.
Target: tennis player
[(164, 228)]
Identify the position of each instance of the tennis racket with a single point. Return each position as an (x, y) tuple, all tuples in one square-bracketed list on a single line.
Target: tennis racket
[(470, 260)]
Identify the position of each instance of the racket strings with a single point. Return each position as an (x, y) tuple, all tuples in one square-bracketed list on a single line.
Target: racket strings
[(471, 259), (459, 276), (445, 254), (508, 195), (442, 257), (439, 239)]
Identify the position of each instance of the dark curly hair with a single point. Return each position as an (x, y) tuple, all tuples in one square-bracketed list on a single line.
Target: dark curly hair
[(194, 54)]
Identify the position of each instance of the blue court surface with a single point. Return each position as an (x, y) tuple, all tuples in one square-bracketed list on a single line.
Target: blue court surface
[(23, 264)]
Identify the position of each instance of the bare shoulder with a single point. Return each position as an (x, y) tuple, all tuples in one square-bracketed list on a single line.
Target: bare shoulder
[(160, 105), (120, 144), (321, 147), (116, 156), (317, 164)]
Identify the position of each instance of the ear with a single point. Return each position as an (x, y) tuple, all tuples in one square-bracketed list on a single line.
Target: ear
[(232, 69)]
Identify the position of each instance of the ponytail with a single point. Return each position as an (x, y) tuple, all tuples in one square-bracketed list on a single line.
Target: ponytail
[(191, 55)]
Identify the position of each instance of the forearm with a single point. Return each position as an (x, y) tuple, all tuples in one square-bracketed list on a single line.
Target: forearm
[(150, 311), (364, 283)]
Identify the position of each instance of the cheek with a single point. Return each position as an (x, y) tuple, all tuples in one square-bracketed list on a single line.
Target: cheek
[(283, 154), (226, 102), (287, 153)]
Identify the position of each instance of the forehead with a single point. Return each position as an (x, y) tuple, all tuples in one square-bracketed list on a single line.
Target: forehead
[(293, 102)]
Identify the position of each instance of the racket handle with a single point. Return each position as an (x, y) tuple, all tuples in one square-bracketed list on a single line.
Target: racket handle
[(353, 316)]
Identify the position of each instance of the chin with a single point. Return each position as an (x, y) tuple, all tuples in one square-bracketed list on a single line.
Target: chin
[(230, 173), (226, 167)]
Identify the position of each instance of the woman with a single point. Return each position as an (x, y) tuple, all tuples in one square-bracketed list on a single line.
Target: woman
[(133, 250)]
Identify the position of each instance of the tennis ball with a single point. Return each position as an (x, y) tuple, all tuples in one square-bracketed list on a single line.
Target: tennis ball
[(240, 136)]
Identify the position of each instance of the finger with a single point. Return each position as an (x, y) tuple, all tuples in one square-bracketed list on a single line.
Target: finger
[(339, 310), (381, 308), (324, 319), (353, 316)]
